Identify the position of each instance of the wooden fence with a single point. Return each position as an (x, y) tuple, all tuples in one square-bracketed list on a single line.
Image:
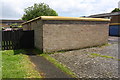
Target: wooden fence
[(17, 39)]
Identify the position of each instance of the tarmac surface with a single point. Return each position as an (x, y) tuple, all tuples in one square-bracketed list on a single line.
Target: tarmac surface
[(46, 68)]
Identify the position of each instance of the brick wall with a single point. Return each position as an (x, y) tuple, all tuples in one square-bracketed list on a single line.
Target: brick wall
[(66, 35), (56, 35), (115, 19)]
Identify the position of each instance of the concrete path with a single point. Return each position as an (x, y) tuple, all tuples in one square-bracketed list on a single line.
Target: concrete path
[(45, 67)]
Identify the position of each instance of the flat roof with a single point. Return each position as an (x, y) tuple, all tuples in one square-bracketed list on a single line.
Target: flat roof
[(66, 18)]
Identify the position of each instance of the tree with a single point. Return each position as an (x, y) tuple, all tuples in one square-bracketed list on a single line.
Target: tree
[(37, 10), (116, 10)]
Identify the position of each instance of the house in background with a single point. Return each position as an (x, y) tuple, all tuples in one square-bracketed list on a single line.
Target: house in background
[(105, 15), (9, 23), (114, 26)]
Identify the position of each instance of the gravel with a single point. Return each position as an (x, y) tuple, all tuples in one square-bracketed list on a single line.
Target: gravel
[(85, 65)]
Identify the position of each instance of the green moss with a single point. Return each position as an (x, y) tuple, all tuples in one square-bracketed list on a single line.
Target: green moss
[(99, 55), (107, 44), (118, 59), (59, 65)]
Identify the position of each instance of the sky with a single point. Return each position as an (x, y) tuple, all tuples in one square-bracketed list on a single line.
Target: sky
[(14, 9)]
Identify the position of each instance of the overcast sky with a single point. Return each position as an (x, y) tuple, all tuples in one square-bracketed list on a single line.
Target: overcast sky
[(14, 9)]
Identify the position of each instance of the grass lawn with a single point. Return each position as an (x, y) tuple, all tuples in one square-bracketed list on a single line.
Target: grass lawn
[(17, 65)]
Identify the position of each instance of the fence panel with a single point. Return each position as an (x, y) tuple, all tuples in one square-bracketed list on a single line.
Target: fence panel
[(17, 39)]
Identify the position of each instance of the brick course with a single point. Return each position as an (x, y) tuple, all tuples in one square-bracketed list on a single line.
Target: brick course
[(56, 35)]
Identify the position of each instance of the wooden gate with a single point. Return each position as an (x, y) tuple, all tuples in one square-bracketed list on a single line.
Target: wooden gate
[(17, 39)]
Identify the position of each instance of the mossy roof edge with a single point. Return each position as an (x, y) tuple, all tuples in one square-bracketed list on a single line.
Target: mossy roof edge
[(66, 18)]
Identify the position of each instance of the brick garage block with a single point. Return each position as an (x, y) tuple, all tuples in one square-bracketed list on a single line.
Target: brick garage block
[(54, 33)]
